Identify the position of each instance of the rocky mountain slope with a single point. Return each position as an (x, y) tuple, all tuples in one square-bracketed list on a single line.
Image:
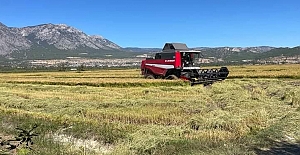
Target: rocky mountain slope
[(64, 37), (51, 37), (11, 41)]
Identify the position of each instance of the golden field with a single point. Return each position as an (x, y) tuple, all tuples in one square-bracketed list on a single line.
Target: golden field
[(119, 112)]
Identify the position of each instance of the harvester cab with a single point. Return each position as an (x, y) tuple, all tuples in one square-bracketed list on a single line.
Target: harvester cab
[(177, 61)]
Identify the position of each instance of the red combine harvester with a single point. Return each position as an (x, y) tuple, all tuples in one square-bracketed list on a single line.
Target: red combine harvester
[(177, 61)]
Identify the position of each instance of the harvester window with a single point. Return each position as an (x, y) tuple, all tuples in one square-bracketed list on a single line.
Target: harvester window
[(157, 56), (187, 60), (168, 55)]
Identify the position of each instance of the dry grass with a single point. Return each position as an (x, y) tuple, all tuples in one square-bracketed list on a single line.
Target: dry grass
[(265, 71), (154, 119)]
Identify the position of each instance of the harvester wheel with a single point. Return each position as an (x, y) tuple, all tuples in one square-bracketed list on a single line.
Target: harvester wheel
[(172, 77), (149, 77)]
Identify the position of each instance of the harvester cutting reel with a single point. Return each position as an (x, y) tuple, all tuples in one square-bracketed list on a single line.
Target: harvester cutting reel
[(208, 76)]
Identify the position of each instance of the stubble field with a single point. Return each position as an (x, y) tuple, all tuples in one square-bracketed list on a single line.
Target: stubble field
[(255, 111)]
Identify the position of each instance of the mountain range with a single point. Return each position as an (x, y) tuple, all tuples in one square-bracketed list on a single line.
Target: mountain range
[(58, 41), (48, 41)]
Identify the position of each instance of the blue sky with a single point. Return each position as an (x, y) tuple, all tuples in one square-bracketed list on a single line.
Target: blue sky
[(151, 23)]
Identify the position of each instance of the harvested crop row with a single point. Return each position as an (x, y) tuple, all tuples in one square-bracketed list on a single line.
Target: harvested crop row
[(106, 84)]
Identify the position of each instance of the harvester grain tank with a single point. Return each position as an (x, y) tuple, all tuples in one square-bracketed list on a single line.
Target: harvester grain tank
[(177, 61)]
